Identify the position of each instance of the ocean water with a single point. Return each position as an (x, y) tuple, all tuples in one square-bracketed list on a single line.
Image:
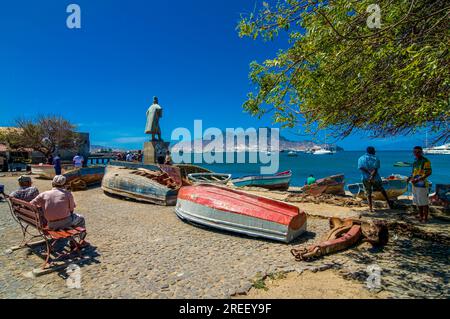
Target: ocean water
[(341, 163)]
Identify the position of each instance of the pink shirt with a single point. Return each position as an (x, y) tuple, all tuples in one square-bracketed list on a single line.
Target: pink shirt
[(57, 204)]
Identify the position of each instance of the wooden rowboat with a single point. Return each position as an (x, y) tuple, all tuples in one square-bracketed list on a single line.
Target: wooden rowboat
[(48, 171), (442, 195), (82, 178), (187, 169), (402, 164), (279, 181), (395, 186), (209, 178), (330, 185), (43, 171), (235, 211), (146, 183)]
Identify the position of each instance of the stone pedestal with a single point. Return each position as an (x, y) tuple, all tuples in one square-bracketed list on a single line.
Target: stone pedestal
[(155, 152)]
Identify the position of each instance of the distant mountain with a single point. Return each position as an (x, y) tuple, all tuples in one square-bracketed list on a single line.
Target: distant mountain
[(242, 143)]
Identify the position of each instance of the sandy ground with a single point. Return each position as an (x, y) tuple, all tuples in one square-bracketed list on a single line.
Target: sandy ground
[(309, 285)]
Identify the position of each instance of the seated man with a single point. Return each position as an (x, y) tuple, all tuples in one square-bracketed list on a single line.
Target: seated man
[(311, 180), (58, 206), (26, 191)]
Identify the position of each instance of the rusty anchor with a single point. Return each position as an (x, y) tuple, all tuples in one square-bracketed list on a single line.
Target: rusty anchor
[(344, 234)]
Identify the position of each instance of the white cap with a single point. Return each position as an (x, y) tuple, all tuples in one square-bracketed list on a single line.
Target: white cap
[(59, 180)]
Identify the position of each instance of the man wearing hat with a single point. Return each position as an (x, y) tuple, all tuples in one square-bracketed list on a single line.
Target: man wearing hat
[(26, 191), (58, 205)]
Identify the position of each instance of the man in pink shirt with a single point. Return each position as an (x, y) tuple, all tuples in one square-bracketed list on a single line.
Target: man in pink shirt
[(58, 206)]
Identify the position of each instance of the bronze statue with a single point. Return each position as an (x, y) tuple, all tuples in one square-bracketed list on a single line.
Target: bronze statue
[(154, 113)]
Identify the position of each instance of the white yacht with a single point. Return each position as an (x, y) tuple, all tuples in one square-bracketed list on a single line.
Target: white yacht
[(438, 150), (322, 151)]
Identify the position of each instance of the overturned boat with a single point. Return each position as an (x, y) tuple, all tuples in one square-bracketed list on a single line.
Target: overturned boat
[(395, 186), (280, 181), (330, 185), (235, 211), (146, 183)]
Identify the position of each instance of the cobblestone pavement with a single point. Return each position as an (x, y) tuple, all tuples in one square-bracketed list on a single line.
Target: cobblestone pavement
[(144, 251)]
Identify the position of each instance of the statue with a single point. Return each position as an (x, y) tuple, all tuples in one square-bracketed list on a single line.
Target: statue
[(154, 113)]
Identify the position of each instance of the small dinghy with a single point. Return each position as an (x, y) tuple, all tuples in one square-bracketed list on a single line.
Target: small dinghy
[(279, 181), (330, 185), (82, 178), (395, 186), (209, 178), (442, 195), (235, 211), (403, 164), (146, 183), (43, 171)]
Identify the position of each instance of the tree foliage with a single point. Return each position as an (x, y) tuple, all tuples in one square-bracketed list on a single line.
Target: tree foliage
[(338, 73), (46, 134)]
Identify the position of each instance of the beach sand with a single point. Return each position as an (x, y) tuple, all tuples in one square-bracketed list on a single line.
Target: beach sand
[(145, 251), (313, 285)]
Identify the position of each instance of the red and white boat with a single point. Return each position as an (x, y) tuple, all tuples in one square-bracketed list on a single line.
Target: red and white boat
[(231, 210)]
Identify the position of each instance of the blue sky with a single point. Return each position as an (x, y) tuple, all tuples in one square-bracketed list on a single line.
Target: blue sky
[(104, 75)]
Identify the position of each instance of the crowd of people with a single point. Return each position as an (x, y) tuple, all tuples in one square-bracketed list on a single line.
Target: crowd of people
[(129, 156), (137, 157)]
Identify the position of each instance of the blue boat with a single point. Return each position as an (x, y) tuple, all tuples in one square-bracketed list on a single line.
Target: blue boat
[(395, 186), (441, 197), (279, 181), (82, 178)]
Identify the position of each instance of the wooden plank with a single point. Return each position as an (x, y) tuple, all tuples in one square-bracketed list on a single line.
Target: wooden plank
[(30, 221)]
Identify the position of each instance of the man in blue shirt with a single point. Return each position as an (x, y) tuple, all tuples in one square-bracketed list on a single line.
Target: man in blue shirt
[(369, 165), (57, 164)]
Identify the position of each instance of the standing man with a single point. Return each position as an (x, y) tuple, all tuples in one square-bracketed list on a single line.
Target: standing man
[(129, 157), (78, 161), (3, 164), (420, 185), (57, 164), (168, 160), (369, 165), (50, 159), (154, 113)]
